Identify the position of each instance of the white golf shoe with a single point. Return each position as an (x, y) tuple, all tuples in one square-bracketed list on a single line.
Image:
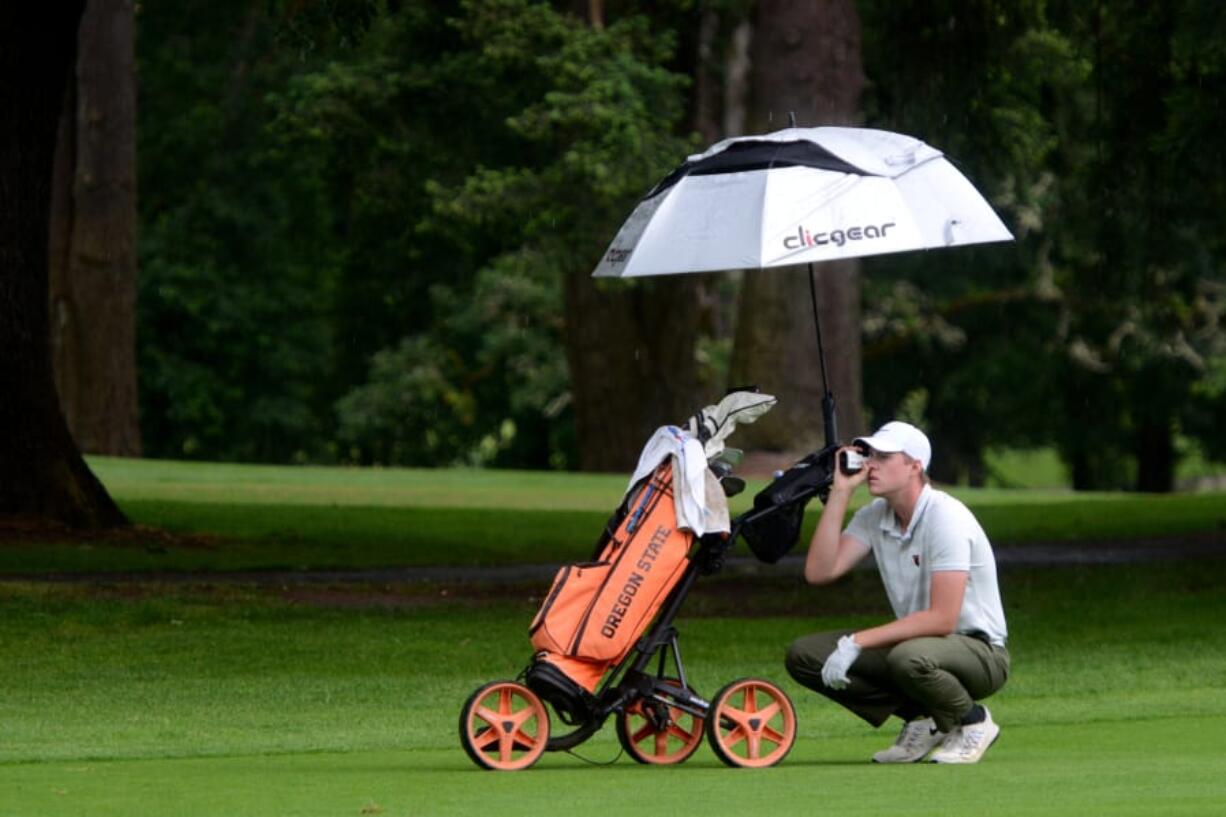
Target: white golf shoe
[(916, 740), (967, 743)]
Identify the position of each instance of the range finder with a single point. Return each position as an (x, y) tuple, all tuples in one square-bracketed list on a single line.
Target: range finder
[(851, 462)]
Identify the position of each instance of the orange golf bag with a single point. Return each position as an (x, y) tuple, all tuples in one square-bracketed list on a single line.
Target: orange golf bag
[(595, 611)]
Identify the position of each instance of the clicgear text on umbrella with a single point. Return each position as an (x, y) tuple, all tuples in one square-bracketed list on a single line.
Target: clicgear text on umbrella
[(804, 238)]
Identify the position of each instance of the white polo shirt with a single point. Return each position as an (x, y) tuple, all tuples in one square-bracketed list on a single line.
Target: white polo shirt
[(944, 535)]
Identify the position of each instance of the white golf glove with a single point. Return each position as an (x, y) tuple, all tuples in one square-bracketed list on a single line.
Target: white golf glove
[(834, 671)]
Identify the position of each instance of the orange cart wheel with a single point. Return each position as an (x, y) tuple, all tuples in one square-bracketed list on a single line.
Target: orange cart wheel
[(752, 724), (657, 733), (504, 726)]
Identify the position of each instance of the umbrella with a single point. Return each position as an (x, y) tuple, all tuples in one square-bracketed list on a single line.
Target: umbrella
[(797, 196), (801, 196)]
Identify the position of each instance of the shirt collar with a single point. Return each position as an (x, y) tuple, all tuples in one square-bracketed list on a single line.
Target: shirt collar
[(889, 521)]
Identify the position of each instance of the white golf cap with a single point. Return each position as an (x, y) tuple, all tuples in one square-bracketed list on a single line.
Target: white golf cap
[(900, 436)]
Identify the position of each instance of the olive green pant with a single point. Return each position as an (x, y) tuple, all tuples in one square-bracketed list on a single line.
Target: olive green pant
[(938, 677)]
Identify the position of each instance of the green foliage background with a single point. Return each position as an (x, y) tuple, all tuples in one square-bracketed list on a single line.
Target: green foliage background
[(356, 221)]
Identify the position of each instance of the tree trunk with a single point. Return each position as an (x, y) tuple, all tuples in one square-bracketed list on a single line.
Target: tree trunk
[(1155, 459), (806, 60), (1155, 448), (93, 258), (706, 82), (737, 67), (42, 474), (630, 347)]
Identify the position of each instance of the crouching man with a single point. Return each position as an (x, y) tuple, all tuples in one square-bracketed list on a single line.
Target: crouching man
[(945, 651)]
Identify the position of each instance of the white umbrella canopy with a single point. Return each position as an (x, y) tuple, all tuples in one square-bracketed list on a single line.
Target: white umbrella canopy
[(798, 196)]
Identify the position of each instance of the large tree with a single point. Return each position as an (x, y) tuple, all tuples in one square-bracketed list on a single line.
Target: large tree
[(1099, 328), (491, 160), (806, 61), (42, 474), (635, 368), (237, 300), (1144, 285), (93, 238), (966, 341)]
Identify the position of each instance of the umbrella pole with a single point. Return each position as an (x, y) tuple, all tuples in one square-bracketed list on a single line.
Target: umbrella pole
[(828, 416)]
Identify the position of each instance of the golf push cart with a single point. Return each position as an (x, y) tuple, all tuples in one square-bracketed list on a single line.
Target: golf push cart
[(604, 637)]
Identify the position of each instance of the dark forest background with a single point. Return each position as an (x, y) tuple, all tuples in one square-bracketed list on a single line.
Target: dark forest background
[(362, 232)]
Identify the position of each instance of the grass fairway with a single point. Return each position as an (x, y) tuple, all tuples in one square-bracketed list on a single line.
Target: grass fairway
[(249, 517), (1036, 773), (134, 699)]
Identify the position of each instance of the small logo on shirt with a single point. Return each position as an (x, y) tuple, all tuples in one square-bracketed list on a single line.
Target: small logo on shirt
[(915, 558)]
